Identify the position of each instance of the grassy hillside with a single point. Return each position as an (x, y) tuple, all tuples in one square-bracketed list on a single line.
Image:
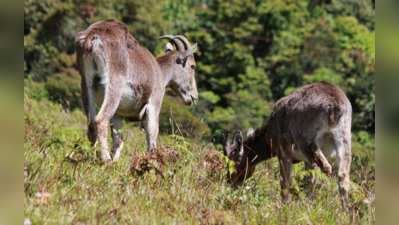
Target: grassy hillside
[(250, 54), (65, 183)]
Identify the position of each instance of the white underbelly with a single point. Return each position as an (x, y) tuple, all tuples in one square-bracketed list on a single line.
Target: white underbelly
[(130, 105), (326, 145), (298, 155), (329, 151)]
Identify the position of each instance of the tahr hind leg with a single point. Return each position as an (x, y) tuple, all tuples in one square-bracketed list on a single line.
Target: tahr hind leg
[(112, 97), (151, 123), (117, 138)]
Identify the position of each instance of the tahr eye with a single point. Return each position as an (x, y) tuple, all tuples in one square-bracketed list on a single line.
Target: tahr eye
[(192, 67)]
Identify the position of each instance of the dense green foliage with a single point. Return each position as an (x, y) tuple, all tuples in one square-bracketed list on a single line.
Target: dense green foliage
[(251, 53)]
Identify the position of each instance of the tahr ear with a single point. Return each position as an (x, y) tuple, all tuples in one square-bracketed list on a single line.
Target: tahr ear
[(250, 132), (168, 47), (184, 55), (239, 146), (226, 147)]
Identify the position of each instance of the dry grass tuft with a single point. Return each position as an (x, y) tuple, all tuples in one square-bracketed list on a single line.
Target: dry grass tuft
[(153, 160), (213, 164)]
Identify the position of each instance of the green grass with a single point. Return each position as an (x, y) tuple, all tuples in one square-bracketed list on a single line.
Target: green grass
[(81, 189)]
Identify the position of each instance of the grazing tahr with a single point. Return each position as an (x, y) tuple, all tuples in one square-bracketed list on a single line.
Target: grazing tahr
[(127, 81), (312, 124)]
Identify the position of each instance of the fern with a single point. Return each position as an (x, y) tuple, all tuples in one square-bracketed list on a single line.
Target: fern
[(230, 165), (308, 178), (180, 143), (315, 174)]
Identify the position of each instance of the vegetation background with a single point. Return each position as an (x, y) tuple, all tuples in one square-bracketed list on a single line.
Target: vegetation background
[(251, 53)]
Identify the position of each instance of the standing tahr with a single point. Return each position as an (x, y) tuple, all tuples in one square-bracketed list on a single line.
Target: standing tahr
[(127, 81)]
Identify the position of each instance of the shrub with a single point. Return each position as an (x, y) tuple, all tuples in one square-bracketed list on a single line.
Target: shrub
[(35, 90), (65, 86), (176, 117)]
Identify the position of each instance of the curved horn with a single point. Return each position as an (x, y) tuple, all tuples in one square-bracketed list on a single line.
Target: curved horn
[(177, 42), (184, 40)]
